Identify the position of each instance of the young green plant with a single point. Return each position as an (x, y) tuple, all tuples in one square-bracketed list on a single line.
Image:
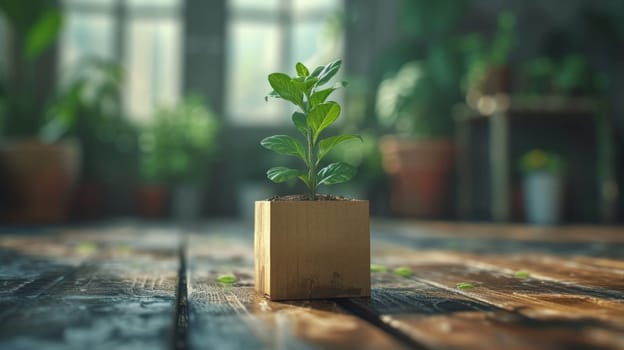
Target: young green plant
[(308, 92)]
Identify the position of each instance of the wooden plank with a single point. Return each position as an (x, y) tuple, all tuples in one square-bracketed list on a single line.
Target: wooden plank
[(547, 267), (107, 288), (525, 313), (520, 232), (235, 317), (532, 297), (446, 319)]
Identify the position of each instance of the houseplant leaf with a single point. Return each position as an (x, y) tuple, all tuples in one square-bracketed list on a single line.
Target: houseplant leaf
[(320, 96), (322, 116), (335, 173), (281, 174), (327, 144), (302, 70), (43, 33), (329, 71), (283, 85), (284, 144), (300, 121)]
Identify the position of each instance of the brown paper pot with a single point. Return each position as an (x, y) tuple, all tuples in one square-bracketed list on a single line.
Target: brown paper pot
[(312, 249)]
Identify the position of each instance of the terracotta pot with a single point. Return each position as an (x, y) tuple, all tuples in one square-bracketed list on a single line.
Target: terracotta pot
[(312, 249), (152, 201), (418, 170), (87, 204), (41, 178)]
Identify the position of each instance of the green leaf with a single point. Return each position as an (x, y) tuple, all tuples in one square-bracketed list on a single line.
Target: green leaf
[(286, 88), (43, 34), (378, 268), (464, 285), (282, 174), (522, 274), (403, 271), (302, 71), (326, 145), (304, 178), (310, 82), (284, 144), (299, 119), (335, 173), (86, 248), (329, 71), (227, 278), (321, 116), (320, 96), (317, 71)]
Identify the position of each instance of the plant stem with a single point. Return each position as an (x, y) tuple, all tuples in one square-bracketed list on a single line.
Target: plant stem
[(311, 167)]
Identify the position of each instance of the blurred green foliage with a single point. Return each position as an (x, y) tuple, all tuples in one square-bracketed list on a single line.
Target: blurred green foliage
[(419, 76), (36, 25), (570, 75), (179, 145)]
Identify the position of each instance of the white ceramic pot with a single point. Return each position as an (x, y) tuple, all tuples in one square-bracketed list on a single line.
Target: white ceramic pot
[(186, 202), (543, 198)]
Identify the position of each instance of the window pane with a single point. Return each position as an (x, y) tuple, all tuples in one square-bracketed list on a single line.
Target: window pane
[(154, 3), (153, 62), (85, 36), (254, 51), (304, 7), (90, 2), (271, 5), (312, 44)]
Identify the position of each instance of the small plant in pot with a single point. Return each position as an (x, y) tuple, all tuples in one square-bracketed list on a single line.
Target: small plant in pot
[(415, 97), (311, 246), (178, 148), (542, 186)]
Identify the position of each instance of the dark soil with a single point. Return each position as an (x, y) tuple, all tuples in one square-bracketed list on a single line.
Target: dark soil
[(304, 197)]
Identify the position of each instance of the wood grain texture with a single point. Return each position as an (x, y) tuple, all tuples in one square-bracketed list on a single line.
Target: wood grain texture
[(224, 316), (447, 319), (312, 249), (103, 288), (566, 301)]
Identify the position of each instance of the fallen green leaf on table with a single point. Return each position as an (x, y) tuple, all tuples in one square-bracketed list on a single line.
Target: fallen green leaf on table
[(378, 268), (464, 285), (403, 271), (227, 278), (522, 274), (123, 249), (86, 248)]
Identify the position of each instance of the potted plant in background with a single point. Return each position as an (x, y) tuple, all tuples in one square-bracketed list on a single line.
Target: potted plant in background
[(178, 149), (414, 103), (88, 109), (542, 186), (311, 246), (40, 172), (487, 69)]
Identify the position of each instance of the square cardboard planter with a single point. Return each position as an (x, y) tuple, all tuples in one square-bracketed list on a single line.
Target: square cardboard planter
[(312, 249)]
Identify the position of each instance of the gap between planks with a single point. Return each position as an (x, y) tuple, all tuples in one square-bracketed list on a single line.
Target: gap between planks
[(181, 322)]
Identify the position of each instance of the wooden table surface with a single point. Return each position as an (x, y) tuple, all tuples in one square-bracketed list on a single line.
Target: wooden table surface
[(145, 286)]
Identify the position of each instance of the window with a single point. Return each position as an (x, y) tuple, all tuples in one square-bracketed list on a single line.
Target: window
[(144, 36), (272, 35)]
